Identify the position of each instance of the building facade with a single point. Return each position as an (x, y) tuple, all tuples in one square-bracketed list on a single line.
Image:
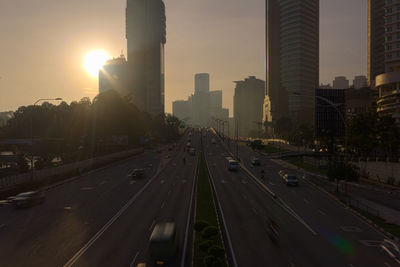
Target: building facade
[(248, 106), (292, 43), (360, 82), (388, 83), (201, 82), (376, 40), (146, 37), (181, 109), (340, 82), (330, 113)]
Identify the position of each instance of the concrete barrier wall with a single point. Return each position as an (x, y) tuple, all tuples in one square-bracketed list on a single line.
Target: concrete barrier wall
[(380, 171), (14, 180)]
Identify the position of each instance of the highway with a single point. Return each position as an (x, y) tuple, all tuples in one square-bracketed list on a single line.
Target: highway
[(104, 218), (320, 232)]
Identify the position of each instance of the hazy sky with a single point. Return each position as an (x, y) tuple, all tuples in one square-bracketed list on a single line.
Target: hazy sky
[(43, 43)]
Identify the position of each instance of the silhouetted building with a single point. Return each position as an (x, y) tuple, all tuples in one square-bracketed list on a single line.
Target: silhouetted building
[(248, 106), (340, 82), (181, 109), (330, 114), (359, 101), (376, 40), (325, 86), (292, 59), (115, 75), (360, 82), (146, 36), (201, 82)]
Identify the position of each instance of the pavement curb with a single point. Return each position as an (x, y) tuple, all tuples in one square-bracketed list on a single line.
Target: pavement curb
[(347, 207)]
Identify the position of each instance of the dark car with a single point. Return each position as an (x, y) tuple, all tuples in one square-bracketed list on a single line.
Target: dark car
[(192, 151), (28, 199), (137, 173), (290, 180), (255, 161)]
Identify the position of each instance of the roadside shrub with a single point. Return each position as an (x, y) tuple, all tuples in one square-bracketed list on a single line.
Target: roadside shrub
[(209, 232), (390, 180), (216, 251), (341, 171), (209, 260), (200, 225), (205, 245)]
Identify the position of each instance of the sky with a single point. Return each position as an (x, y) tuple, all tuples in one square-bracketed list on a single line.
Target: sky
[(43, 44)]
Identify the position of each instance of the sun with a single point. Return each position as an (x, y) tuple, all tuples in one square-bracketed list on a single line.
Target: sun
[(94, 60)]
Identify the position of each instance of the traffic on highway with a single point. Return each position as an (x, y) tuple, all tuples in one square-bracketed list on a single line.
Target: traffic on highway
[(141, 212)]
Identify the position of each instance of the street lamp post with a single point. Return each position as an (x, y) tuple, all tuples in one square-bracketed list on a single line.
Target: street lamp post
[(31, 130)]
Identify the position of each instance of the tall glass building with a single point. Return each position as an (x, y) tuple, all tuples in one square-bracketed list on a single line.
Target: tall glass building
[(292, 59), (146, 36)]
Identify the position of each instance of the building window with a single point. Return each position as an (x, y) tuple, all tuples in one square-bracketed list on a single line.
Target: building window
[(389, 29), (388, 38), (388, 10), (389, 20), (389, 47), (388, 2), (388, 56)]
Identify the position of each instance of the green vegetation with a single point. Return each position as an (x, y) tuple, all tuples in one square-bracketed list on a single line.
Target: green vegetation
[(270, 149), (208, 247), (298, 161), (80, 130), (389, 227)]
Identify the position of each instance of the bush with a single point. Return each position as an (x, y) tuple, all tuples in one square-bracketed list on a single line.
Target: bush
[(216, 251), (342, 171), (205, 245), (209, 232), (209, 260), (200, 225)]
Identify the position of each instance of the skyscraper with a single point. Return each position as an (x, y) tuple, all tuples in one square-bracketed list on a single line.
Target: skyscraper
[(376, 40), (201, 82), (146, 36), (292, 59)]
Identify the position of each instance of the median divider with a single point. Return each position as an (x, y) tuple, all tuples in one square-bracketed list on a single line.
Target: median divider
[(209, 246)]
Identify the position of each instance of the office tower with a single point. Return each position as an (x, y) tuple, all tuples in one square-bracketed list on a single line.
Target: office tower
[(376, 40), (360, 82), (115, 75), (201, 82), (340, 82), (292, 59), (146, 37), (248, 106), (388, 83), (181, 109)]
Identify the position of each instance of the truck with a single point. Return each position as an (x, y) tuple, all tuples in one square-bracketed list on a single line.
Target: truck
[(233, 165), (163, 243)]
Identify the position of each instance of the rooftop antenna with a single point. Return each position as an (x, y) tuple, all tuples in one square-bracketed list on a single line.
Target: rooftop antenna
[(122, 53)]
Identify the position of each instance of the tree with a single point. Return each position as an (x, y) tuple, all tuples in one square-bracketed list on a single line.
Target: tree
[(284, 127), (362, 134)]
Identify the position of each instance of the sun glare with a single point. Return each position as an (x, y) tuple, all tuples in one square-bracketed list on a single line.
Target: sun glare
[(94, 61)]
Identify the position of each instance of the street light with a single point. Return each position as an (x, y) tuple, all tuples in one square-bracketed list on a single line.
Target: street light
[(34, 104)]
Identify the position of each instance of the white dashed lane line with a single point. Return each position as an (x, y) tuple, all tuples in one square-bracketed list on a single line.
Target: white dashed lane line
[(321, 212), (162, 205)]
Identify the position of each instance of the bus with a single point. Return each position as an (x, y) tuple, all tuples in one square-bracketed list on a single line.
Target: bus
[(163, 244)]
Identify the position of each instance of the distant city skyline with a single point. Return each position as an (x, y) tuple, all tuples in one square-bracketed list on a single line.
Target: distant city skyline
[(209, 41)]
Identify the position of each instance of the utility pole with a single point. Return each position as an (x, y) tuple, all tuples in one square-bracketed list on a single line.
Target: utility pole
[(237, 138)]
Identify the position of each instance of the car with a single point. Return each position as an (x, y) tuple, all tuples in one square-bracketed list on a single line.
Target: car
[(233, 165), (190, 134), (255, 161), (28, 199), (163, 243), (141, 265), (188, 144), (213, 141), (281, 173), (192, 151), (289, 179), (137, 173)]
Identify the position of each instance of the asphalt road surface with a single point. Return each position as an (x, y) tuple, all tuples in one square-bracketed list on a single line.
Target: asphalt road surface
[(105, 217), (314, 230)]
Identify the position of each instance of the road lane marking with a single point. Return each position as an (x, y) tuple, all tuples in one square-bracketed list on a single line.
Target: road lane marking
[(223, 182), (351, 229), (184, 181), (162, 181), (305, 200), (81, 251), (152, 225), (244, 181), (103, 182), (2, 225), (134, 259), (244, 196), (271, 183), (132, 182), (371, 243), (321, 212), (86, 188), (162, 205), (387, 264), (169, 192)]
